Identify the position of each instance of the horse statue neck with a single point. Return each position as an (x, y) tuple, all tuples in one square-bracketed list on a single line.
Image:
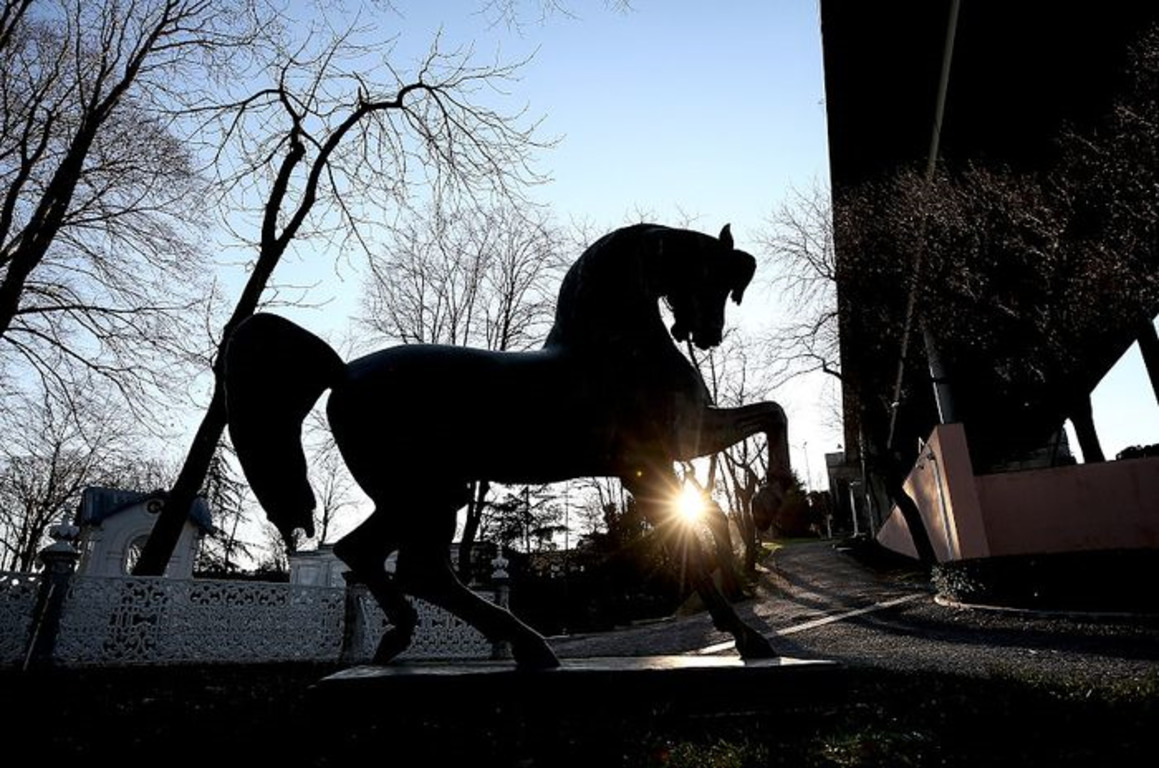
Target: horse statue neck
[(610, 296)]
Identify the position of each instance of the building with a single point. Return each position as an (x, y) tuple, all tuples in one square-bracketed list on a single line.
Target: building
[(1018, 72), (115, 524)]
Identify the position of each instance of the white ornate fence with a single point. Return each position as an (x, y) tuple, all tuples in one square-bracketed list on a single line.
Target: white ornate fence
[(17, 606), (123, 621), (132, 621), (64, 619)]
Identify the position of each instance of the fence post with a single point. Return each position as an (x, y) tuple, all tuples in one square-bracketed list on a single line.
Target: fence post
[(60, 559)]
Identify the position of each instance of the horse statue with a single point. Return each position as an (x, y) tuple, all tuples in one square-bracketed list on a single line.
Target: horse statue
[(609, 394)]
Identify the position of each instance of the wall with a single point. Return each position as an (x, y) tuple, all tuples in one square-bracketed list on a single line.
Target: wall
[(1111, 505), (942, 484)]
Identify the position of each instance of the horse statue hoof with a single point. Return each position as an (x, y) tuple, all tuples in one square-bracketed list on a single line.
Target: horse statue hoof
[(753, 645), (534, 654), (393, 643)]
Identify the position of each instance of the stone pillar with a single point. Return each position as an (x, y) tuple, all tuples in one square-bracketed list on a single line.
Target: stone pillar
[(1084, 428), (354, 629), (60, 559), (502, 582)]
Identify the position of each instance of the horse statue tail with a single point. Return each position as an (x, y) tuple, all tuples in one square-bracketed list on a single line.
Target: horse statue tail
[(274, 371)]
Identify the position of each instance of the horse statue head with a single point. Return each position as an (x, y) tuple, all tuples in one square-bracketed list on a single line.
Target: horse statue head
[(710, 272), (608, 299)]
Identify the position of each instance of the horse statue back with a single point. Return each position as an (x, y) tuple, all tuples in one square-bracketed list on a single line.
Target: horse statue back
[(608, 394)]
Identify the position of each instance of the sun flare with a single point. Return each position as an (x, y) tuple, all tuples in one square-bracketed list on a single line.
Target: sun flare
[(690, 504)]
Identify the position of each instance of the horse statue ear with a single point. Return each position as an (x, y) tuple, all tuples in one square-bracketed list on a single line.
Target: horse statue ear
[(743, 266), (726, 236)]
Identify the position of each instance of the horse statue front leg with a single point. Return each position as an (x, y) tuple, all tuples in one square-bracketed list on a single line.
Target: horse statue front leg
[(655, 491), (718, 429)]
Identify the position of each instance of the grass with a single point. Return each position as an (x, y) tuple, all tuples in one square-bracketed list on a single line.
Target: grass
[(221, 715)]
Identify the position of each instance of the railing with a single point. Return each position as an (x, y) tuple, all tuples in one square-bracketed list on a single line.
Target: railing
[(59, 618)]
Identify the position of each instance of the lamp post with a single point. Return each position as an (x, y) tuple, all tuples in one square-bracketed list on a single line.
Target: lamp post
[(808, 472)]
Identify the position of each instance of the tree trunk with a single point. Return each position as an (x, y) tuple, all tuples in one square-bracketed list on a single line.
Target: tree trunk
[(730, 583), (1149, 349), (167, 530), (747, 526), (471, 527), (889, 470), (43, 227), (171, 520), (894, 484), (887, 466)]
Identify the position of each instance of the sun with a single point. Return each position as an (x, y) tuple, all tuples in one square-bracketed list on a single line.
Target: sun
[(690, 504)]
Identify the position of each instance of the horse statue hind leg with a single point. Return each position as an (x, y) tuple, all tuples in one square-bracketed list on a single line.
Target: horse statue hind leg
[(424, 571), (365, 550)]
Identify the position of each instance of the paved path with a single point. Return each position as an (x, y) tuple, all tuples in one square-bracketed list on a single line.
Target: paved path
[(816, 601)]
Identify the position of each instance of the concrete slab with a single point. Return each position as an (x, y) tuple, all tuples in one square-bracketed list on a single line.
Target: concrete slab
[(622, 665), (605, 685)]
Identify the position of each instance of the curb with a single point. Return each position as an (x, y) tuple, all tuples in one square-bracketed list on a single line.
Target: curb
[(1045, 613)]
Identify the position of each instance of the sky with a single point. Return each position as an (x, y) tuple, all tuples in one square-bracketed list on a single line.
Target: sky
[(691, 111)]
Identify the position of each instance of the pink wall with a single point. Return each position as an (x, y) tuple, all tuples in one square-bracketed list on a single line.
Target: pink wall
[(1109, 505)]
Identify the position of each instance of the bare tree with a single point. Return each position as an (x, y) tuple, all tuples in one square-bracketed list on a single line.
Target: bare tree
[(99, 193), (517, 14), (329, 148), (480, 276), (585, 501), (274, 562), (799, 236), (473, 276), (50, 456), (37, 490)]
